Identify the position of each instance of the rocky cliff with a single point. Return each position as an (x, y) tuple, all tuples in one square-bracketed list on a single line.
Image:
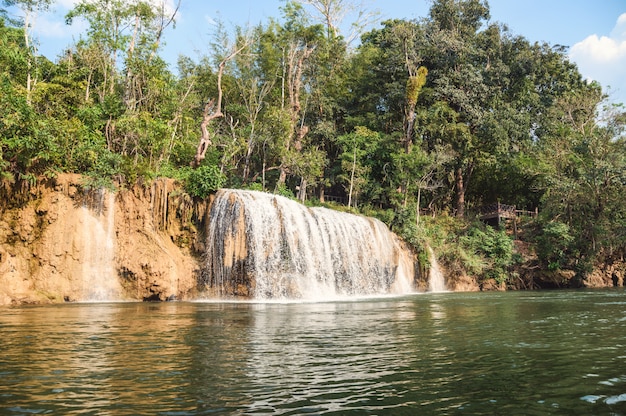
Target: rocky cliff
[(61, 241), (58, 239)]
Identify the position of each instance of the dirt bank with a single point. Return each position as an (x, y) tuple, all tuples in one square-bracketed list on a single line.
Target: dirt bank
[(50, 234)]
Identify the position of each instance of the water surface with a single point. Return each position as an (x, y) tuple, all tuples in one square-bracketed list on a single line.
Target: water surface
[(530, 353)]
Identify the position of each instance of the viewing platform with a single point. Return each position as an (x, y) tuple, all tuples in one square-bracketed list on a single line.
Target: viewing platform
[(499, 211), (493, 214)]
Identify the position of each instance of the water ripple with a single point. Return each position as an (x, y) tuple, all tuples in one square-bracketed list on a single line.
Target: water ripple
[(444, 354)]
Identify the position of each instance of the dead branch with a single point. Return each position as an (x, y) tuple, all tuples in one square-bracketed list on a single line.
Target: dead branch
[(209, 114)]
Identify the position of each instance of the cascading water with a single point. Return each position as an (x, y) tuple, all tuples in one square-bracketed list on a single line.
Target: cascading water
[(100, 281), (265, 246), (436, 281)]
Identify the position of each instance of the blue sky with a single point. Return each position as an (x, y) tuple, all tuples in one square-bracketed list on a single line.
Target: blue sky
[(595, 30)]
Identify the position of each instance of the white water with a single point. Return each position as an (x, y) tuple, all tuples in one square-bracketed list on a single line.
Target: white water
[(436, 280), (280, 249), (100, 280)]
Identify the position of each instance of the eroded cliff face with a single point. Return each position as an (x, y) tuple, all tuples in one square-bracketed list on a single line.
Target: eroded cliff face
[(62, 240)]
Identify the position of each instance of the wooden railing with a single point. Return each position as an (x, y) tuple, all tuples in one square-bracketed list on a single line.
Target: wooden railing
[(499, 210)]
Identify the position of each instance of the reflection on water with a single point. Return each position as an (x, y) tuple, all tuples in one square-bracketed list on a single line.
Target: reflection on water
[(491, 353), (326, 357)]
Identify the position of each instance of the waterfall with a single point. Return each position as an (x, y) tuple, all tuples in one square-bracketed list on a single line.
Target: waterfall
[(436, 281), (100, 280), (265, 246)]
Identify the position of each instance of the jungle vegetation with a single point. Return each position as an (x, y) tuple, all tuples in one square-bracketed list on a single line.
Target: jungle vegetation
[(420, 122)]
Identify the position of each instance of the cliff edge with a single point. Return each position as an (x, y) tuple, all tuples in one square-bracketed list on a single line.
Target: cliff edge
[(60, 240)]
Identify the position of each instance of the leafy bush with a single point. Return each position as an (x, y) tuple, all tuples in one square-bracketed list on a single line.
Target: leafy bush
[(495, 246), (102, 166), (204, 180), (254, 186), (554, 244), (283, 190)]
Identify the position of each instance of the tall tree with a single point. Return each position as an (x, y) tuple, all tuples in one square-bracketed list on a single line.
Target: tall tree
[(29, 8), (213, 107), (583, 160), (356, 147), (457, 67), (333, 13), (299, 41)]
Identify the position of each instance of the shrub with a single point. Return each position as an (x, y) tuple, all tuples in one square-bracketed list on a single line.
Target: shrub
[(553, 244), (495, 246), (204, 180)]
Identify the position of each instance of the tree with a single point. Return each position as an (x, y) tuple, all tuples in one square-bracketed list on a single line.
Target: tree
[(29, 8), (107, 23), (457, 68), (583, 162), (213, 107), (356, 147), (333, 12), (300, 41), (413, 87), (254, 88)]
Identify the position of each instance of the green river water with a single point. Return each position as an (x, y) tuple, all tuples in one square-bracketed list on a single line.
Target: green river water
[(527, 353)]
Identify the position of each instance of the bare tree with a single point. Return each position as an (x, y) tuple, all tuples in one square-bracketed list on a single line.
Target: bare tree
[(334, 12), (297, 59), (213, 108)]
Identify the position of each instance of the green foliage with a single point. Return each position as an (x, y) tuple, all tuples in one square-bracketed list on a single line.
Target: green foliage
[(203, 181), (495, 247), (554, 245), (496, 119), (283, 190), (414, 85), (474, 249), (255, 186), (356, 148)]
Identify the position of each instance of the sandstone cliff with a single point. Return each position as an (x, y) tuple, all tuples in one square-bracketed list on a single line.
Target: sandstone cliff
[(51, 233), (61, 241)]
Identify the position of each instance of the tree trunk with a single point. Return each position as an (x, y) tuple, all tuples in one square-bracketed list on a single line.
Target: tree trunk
[(29, 63), (459, 193), (352, 178), (282, 178), (205, 140), (408, 140), (302, 191), (296, 59), (129, 95), (417, 206)]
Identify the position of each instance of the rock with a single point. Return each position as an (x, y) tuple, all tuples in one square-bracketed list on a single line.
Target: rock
[(462, 283), (43, 243), (556, 279), (492, 285)]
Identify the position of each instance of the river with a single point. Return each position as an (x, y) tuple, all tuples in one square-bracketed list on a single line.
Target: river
[(530, 353)]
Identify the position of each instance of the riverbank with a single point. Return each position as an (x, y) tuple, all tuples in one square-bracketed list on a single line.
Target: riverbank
[(149, 241), (55, 233)]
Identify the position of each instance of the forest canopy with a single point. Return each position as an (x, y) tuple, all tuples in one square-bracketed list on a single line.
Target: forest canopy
[(439, 115)]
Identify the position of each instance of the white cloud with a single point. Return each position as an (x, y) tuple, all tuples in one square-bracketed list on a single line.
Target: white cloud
[(602, 50), (603, 58)]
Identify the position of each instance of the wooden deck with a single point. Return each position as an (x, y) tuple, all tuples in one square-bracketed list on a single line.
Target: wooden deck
[(500, 211)]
